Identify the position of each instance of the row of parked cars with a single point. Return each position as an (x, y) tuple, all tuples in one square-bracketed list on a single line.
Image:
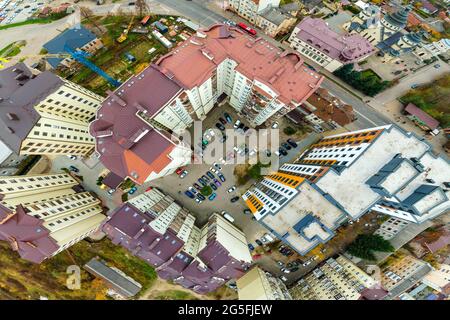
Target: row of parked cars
[(208, 179)]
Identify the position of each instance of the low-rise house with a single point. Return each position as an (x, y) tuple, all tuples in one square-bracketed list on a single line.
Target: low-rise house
[(428, 7), (314, 39), (275, 22), (420, 117)]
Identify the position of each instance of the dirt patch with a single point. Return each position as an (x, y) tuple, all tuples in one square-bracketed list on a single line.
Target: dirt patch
[(163, 290)]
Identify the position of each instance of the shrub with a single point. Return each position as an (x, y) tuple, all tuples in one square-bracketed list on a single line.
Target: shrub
[(289, 131), (206, 191)]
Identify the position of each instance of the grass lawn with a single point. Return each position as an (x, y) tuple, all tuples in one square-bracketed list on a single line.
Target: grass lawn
[(24, 280), (433, 99), (12, 49), (49, 19), (175, 295)]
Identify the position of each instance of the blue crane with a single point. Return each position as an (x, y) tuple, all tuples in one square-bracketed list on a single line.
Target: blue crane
[(81, 56)]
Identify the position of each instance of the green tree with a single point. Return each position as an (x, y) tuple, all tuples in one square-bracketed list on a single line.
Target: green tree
[(289, 131), (206, 191), (365, 245)]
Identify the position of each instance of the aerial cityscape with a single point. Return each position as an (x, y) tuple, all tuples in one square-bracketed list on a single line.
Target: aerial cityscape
[(225, 150)]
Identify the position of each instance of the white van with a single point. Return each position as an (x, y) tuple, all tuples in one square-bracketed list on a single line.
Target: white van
[(227, 216)]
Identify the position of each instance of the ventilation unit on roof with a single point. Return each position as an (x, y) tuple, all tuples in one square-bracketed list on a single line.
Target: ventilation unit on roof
[(12, 116)]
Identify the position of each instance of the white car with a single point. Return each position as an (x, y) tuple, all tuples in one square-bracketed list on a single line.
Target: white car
[(307, 263), (198, 200), (253, 152), (236, 124), (274, 125), (193, 190), (283, 278), (232, 188), (227, 216), (72, 157), (214, 170)]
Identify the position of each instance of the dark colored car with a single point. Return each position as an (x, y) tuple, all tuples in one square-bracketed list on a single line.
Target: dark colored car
[(222, 120), (201, 197), (196, 186), (217, 182), (268, 153), (205, 178), (217, 166), (202, 182), (220, 126), (292, 143), (251, 247), (209, 174), (213, 186), (228, 117), (282, 151), (245, 129), (189, 194), (74, 169), (234, 199), (286, 146), (294, 269), (241, 126), (247, 211), (221, 177), (224, 138), (258, 242)]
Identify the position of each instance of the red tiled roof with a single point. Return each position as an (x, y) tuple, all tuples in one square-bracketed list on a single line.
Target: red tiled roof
[(256, 58), (422, 116)]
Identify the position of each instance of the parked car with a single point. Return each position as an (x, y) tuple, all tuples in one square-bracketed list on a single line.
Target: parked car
[(220, 126), (179, 170), (228, 117), (217, 182), (132, 190), (280, 263), (213, 186), (212, 169), (286, 146), (247, 211), (236, 124), (183, 174), (222, 120), (245, 129), (212, 196), (274, 125), (224, 138), (283, 278), (209, 174), (200, 196), (202, 182), (111, 191), (414, 86), (437, 65), (197, 186), (285, 270), (234, 199), (268, 153), (221, 177), (215, 164), (292, 143), (282, 151), (192, 190), (227, 216), (72, 157), (259, 242), (205, 178), (294, 269), (198, 200), (231, 189), (251, 247), (307, 263), (74, 169), (189, 194)]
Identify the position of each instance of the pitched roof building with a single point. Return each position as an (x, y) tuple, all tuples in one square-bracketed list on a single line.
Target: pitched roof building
[(313, 38), (155, 228)]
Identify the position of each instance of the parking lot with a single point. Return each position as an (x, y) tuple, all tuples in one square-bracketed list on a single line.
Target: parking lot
[(13, 11)]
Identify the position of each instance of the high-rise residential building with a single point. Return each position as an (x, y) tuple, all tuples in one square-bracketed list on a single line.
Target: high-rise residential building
[(261, 83), (44, 114), (314, 39), (257, 284), (155, 228), (336, 279), (402, 274), (250, 9), (344, 176), (41, 215)]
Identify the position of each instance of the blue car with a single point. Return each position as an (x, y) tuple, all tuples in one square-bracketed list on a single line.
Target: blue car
[(202, 182), (132, 190), (212, 196), (209, 174), (221, 177), (213, 186), (251, 247), (189, 194)]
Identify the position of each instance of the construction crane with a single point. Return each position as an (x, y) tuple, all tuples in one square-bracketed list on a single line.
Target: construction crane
[(79, 56), (124, 34)]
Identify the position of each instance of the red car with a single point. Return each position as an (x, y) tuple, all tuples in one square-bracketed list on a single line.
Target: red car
[(243, 26), (256, 257), (179, 170)]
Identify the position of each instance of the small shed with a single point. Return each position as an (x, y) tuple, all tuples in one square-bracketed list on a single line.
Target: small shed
[(420, 117)]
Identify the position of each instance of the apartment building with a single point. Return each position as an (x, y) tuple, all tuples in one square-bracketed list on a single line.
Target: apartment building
[(250, 9), (274, 21), (336, 279), (257, 284), (314, 39), (402, 274), (393, 171), (44, 114), (41, 215), (155, 228), (260, 82), (438, 279)]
